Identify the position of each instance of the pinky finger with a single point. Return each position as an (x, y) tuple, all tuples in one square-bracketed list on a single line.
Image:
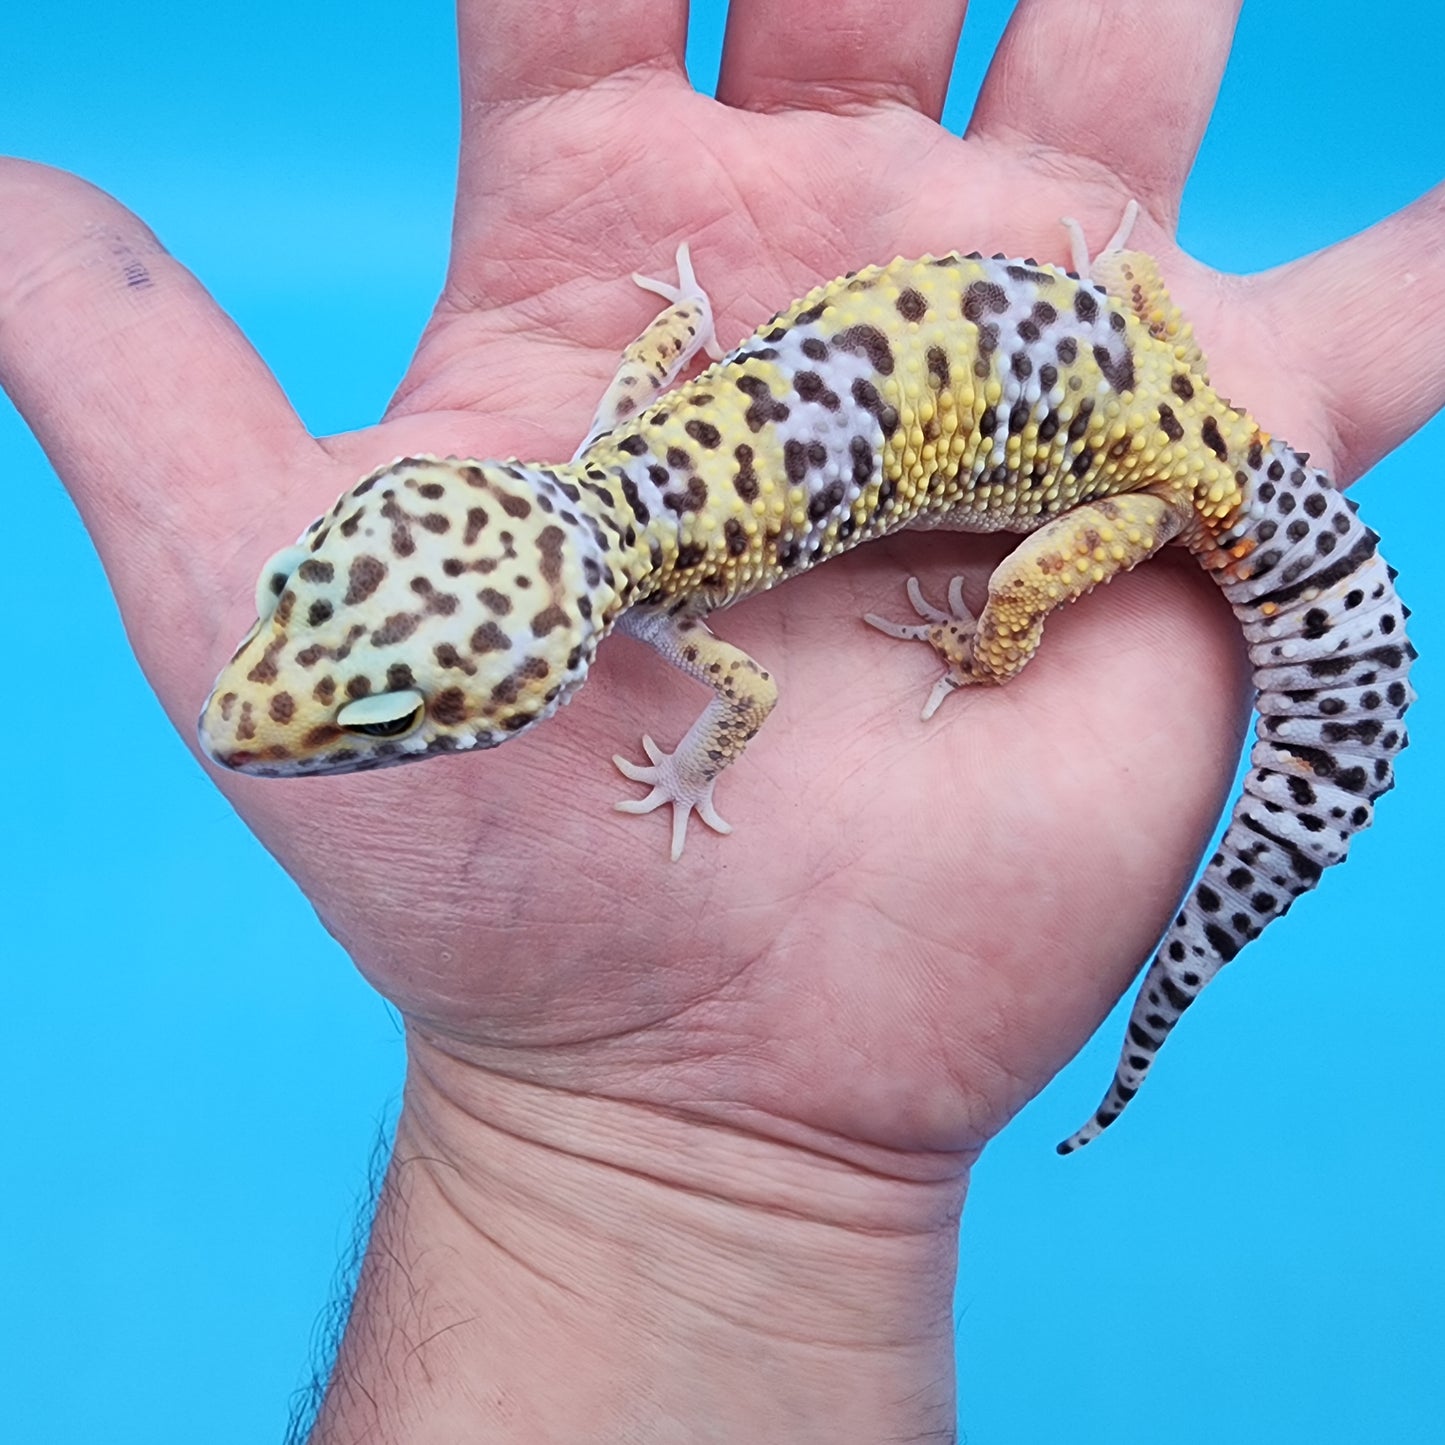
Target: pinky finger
[(1370, 313)]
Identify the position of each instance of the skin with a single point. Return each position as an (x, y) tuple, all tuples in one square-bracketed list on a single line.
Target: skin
[(705, 1131)]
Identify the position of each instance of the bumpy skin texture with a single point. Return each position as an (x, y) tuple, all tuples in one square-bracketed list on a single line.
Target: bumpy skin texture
[(446, 605)]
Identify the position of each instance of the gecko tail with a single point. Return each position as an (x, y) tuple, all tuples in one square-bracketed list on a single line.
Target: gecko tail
[(1326, 635)]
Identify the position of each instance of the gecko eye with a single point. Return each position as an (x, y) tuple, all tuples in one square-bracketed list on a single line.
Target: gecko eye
[(387, 715)]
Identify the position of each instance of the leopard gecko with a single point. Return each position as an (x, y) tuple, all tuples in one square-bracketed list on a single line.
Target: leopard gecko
[(446, 604)]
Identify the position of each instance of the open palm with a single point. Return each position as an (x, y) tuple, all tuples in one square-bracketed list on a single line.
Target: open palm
[(915, 924)]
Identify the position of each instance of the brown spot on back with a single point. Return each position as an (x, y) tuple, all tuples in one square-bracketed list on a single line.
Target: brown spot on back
[(1118, 371), (693, 499), (499, 602), (764, 407), (704, 433), (982, 299), (911, 305), (824, 502), (518, 507), (809, 385), (1169, 423), (871, 342), (746, 480), (868, 397)]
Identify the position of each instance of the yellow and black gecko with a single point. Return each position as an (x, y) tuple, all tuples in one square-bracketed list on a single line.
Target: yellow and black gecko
[(450, 604)]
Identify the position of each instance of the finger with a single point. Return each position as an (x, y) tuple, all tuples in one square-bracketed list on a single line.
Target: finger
[(1129, 84), (519, 50), (535, 108), (1369, 317), (838, 54), (161, 420)]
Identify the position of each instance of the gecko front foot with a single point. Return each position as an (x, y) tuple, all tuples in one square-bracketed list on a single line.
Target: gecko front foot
[(950, 634), (670, 785)]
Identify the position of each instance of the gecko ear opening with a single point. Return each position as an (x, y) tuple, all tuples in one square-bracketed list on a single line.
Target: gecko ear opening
[(274, 577), (387, 715)]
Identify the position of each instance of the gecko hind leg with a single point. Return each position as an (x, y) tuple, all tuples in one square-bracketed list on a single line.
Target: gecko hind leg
[(1067, 557), (1133, 278)]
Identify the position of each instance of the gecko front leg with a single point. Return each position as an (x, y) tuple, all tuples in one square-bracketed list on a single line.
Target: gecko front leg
[(743, 696), (655, 360)]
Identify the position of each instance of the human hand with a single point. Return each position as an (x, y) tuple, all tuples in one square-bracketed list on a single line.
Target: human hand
[(891, 887)]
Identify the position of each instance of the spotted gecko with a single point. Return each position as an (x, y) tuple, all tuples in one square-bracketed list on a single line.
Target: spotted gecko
[(449, 604)]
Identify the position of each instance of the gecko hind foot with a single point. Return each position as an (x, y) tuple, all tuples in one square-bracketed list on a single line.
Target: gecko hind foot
[(950, 634), (1079, 247), (664, 776)]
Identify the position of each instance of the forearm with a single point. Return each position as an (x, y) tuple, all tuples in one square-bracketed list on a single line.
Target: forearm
[(548, 1266)]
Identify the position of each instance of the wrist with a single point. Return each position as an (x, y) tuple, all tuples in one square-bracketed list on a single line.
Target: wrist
[(552, 1265)]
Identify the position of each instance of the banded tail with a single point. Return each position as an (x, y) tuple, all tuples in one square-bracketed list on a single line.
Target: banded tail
[(1326, 635)]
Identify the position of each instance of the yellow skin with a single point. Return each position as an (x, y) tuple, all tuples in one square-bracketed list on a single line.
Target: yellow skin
[(497, 903)]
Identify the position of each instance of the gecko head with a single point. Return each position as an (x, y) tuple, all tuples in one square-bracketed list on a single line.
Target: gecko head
[(439, 606)]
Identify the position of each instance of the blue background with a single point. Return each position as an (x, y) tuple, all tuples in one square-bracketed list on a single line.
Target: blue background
[(1257, 1256)]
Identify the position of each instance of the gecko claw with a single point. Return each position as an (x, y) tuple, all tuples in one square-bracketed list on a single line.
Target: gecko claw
[(941, 689)]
